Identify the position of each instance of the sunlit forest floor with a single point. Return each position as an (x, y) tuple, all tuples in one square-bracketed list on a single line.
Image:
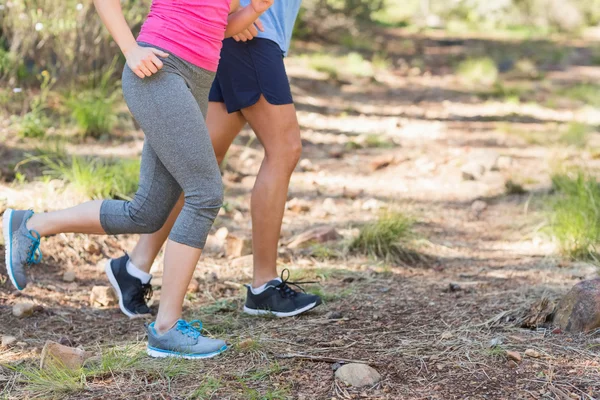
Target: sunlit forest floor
[(461, 134)]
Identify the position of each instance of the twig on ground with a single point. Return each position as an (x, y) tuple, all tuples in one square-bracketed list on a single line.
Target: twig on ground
[(330, 360)]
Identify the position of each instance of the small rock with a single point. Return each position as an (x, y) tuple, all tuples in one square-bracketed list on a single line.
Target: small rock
[(102, 296), (357, 375), (92, 248), (454, 287), (532, 353), (8, 340), (334, 315), (238, 246), (514, 355), (194, 286), (336, 152), (56, 355), (478, 206), (68, 276), (371, 204), (316, 235), (503, 162), (222, 233), (381, 163), (351, 194), (579, 310), (447, 335), (307, 166), (472, 171), (298, 205), (495, 342), (336, 366), (246, 344), (23, 309), (329, 205), (211, 277), (213, 245)]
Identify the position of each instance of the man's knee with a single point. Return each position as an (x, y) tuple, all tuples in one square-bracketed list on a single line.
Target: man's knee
[(287, 154)]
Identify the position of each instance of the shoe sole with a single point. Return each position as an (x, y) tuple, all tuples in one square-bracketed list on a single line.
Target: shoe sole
[(6, 231), (253, 311), (113, 281), (158, 353)]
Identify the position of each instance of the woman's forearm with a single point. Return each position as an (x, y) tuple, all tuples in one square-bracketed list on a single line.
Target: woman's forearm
[(240, 20), (112, 16)]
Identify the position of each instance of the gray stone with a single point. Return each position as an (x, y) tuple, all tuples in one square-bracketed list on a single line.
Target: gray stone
[(69, 276), (23, 309), (357, 375), (8, 340), (103, 296), (579, 310)]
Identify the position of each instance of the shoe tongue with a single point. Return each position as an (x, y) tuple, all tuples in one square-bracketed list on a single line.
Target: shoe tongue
[(274, 282)]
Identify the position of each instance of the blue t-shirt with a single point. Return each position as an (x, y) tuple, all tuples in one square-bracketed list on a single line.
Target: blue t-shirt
[(278, 22)]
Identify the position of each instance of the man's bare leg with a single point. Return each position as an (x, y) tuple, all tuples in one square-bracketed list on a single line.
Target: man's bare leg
[(278, 130)]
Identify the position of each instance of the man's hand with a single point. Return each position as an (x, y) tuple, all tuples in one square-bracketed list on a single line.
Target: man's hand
[(250, 33), (260, 6), (143, 61)]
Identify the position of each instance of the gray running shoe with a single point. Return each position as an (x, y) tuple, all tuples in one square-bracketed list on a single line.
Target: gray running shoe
[(184, 340), (21, 246)]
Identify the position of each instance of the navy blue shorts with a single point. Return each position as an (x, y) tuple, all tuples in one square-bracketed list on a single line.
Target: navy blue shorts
[(248, 70)]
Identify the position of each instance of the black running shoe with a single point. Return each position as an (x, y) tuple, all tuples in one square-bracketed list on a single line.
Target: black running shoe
[(280, 300), (133, 294)]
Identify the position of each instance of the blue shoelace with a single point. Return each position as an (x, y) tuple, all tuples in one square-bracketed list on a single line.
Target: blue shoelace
[(35, 254), (191, 329)]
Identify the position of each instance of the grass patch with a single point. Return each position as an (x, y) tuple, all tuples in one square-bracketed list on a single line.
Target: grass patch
[(54, 382), (478, 71), (352, 65), (576, 134), (93, 112), (586, 93), (94, 109), (94, 177), (330, 295), (390, 238), (207, 389), (575, 214)]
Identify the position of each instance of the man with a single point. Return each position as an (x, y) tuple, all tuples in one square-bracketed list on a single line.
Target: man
[(251, 86)]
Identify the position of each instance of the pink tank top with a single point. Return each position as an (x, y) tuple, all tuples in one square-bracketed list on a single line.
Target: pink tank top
[(190, 29)]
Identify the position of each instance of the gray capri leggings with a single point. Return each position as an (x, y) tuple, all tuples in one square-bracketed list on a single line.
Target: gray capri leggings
[(178, 155)]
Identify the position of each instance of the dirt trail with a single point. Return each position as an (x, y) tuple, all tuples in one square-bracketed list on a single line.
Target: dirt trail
[(427, 341)]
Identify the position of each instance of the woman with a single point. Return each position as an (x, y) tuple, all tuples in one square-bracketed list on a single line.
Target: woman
[(166, 81)]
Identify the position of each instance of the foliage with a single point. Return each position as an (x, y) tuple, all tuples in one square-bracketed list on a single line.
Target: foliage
[(389, 238), (35, 122), (480, 71), (94, 177), (575, 213), (64, 37)]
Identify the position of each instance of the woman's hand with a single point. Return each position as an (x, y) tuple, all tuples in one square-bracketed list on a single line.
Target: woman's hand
[(250, 33), (143, 61), (260, 6)]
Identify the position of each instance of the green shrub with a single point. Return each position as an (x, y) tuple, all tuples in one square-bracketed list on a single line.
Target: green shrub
[(33, 125), (480, 71), (586, 93), (389, 238), (576, 134), (575, 214), (93, 112), (96, 178)]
